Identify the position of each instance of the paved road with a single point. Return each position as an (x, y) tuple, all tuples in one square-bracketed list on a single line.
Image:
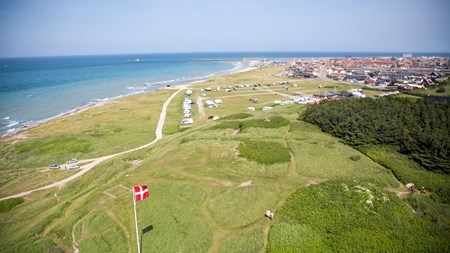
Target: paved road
[(95, 161)]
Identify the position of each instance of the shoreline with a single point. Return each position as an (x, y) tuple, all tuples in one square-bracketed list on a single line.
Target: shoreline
[(244, 66)]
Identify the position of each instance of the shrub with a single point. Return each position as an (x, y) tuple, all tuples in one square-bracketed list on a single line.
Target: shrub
[(350, 216), (355, 157), (272, 122), (441, 90), (264, 152), (237, 116), (226, 125), (8, 204)]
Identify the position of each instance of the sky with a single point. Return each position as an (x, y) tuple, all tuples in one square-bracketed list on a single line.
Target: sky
[(91, 27)]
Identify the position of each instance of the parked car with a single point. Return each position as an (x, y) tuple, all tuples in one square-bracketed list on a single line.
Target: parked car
[(73, 167), (54, 167), (73, 160)]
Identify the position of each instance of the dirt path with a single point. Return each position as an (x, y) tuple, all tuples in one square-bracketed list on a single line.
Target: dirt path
[(281, 94), (74, 241), (201, 110), (95, 161)]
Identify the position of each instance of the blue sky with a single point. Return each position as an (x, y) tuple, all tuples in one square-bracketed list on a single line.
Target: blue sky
[(84, 27)]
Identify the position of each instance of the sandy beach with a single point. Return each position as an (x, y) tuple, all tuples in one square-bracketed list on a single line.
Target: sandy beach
[(248, 65)]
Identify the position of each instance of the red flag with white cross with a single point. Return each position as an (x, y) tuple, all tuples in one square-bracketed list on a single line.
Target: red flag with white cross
[(141, 192)]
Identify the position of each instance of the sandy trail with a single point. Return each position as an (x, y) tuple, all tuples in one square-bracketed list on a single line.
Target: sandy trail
[(93, 162), (200, 106)]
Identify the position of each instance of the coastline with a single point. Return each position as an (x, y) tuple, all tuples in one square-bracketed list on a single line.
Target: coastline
[(242, 66)]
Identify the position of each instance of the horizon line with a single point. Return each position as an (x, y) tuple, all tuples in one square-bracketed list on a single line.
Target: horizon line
[(206, 52)]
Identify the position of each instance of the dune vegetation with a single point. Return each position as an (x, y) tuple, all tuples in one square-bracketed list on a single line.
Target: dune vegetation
[(211, 183)]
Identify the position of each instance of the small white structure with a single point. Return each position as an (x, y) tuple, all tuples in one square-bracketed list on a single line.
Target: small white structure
[(189, 92), (218, 101), (251, 109), (277, 102), (267, 108), (218, 89), (215, 118), (410, 185), (210, 103), (203, 95), (208, 89), (269, 214), (187, 121), (357, 93), (228, 90), (289, 102)]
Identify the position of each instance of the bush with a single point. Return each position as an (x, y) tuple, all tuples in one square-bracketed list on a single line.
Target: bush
[(264, 152), (441, 90), (272, 122), (418, 127), (226, 125), (237, 116), (8, 204), (347, 216), (355, 157)]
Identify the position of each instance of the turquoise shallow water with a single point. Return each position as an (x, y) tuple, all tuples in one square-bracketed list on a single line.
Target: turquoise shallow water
[(36, 89), (39, 88)]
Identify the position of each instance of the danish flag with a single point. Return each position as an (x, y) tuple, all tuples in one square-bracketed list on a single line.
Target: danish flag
[(141, 192)]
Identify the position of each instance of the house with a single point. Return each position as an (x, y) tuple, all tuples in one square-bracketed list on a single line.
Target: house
[(267, 108), (356, 78), (218, 101), (218, 89), (208, 89), (427, 81), (215, 118), (251, 109), (189, 92)]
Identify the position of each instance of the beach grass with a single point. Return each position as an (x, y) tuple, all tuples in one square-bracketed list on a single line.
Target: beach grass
[(204, 197), (100, 130)]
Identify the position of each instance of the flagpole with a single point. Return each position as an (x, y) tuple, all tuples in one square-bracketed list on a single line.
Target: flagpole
[(135, 222)]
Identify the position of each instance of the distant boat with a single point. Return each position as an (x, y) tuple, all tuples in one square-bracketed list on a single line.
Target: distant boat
[(134, 60)]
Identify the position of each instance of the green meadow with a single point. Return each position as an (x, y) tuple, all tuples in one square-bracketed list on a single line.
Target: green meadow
[(211, 183)]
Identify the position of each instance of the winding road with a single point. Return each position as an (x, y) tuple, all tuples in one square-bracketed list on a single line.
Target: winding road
[(93, 162)]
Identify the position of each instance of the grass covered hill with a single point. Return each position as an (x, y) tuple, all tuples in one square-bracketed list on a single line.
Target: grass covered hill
[(211, 183)]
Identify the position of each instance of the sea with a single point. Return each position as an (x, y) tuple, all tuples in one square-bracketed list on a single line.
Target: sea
[(36, 89)]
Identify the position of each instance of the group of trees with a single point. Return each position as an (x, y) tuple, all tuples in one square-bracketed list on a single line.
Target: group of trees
[(420, 128)]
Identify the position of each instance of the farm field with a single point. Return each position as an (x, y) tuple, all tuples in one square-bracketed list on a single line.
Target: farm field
[(211, 182)]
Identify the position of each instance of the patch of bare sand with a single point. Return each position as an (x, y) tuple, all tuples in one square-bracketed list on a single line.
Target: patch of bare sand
[(246, 183), (135, 162)]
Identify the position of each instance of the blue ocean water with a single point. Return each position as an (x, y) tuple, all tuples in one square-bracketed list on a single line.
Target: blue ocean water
[(39, 88)]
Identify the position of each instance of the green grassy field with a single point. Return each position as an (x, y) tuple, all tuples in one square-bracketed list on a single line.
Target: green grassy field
[(101, 130), (205, 197)]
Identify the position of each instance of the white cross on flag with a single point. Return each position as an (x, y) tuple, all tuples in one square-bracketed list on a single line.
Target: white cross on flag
[(141, 192)]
